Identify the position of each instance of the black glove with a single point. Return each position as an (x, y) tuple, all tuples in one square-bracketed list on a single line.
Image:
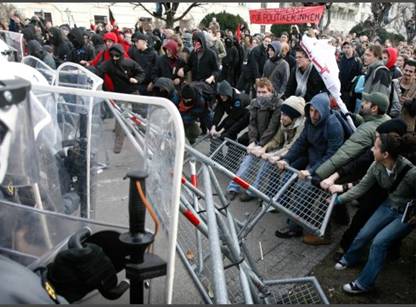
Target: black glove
[(78, 271)]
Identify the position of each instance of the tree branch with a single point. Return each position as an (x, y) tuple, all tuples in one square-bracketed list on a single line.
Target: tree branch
[(195, 4), (148, 11)]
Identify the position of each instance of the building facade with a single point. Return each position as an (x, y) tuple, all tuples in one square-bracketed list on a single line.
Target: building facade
[(343, 15)]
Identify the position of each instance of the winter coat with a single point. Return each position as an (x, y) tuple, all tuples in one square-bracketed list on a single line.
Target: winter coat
[(166, 67), (317, 142), (264, 119), (378, 79), (362, 138), (204, 65), (315, 84), (285, 137), (349, 68), (198, 111), (146, 59), (62, 47), (230, 63), (36, 50), (235, 108), (405, 191), (257, 57), (81, 52), (277, 71), (121, 71)]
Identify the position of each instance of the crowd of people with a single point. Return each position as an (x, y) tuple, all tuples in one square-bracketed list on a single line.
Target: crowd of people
[(263, 91)]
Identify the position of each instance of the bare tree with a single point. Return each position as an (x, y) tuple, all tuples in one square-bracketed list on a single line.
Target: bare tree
[(170, 18), (404, 20)]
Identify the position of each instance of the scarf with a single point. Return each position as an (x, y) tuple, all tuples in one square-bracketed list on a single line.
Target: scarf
[(302, 80)]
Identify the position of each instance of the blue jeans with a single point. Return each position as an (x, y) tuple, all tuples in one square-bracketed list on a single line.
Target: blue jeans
[(242, 172), (385, 227)]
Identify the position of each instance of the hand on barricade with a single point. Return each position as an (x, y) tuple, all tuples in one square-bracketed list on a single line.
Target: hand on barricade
[(258, 151), (282, 164), (336, 188), (271, 158), (304, 174), (325, 184), (86, 63)]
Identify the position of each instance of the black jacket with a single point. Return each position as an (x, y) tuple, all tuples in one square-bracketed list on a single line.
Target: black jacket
[(235, 107), (121, 71), (61, 46), (205, 65), (164, 67), (256, 60), (230, 63), (81, 52), (314, 86), (146, 59), (348, 70)]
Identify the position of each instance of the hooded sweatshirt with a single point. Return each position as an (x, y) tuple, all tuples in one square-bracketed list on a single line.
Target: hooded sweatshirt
[(277, 69), (36, 50), (80, 51), (121, 71), (166, 85), (317, 143), (61, 46), (202, 63), (234, 107), (230, 62), (391, 63), (168, 67)]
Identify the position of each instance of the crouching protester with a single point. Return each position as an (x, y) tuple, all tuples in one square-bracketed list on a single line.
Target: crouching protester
[(292, 119), (193, 108), (397, 175), (233, 103), (264, 123)]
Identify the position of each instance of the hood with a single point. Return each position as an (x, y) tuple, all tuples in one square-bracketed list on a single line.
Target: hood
[(29, 33), (392, 52), (171, 45), (277, 46), (201, 38), (228, 42), (56, 38), (97, 40), (76, 37), (110, 36), (165, 84), (225, 89), (321, 103), (118, 48), (35, 49)]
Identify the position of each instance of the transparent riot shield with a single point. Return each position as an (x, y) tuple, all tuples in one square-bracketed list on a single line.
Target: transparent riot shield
[(154, 145), (15, 41), (39, 65)]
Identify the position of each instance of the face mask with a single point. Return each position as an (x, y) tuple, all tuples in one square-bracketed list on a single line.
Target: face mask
[(263, 100)]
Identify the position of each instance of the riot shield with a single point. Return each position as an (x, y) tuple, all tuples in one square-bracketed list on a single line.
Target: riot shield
[(154, 145), (40, 66), (15, 41)]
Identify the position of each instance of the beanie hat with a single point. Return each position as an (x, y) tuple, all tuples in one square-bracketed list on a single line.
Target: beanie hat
[(294, 107), (224, 88), (189, 94), (379, 99), (393, 125)]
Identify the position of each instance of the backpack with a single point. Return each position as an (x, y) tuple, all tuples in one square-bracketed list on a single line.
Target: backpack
[(342, 119)]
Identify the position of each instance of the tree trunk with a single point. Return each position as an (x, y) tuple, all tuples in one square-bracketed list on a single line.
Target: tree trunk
[(170, 19)]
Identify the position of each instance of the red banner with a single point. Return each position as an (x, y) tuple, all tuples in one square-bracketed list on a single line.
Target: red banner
[(287, 15)]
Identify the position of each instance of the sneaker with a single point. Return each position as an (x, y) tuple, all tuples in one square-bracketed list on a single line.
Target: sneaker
[(288, 233), (340, 266), (231, 195), (315, 240), (353, 288), (245, 197)]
